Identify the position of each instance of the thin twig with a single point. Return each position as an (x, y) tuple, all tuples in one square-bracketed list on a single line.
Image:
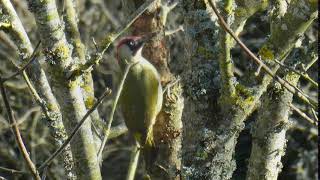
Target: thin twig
[(314, 114), (304, 75), (32, 58), (75, 130), (134, 159), (302, 114), (315, 59), (13, 171), (284, 83), (17, 133), (171, 32), (115, 102)]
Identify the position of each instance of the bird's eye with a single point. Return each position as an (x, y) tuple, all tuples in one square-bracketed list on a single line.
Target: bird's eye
[(131, 43)]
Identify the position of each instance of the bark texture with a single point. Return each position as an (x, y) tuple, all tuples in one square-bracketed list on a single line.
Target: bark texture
[(269, 132), (212, 125), (45, 97), (67, 91)]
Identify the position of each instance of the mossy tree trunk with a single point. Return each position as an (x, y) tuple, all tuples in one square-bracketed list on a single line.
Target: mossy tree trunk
[(216, 105), (68, 91), (269, 132)]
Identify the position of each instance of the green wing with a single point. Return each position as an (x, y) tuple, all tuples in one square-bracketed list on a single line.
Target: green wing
[(141, 101)]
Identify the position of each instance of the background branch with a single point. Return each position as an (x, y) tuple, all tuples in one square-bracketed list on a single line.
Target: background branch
[(17, 134)]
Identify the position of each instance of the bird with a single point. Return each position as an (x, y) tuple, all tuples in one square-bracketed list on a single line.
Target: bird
[(141, 97)]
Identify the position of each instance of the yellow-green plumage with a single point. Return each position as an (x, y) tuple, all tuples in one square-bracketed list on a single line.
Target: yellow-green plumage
[(141, 101), (141, 97)]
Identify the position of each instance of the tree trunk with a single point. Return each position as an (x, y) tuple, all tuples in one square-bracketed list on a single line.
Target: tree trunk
[(68, 92), (212, 125)]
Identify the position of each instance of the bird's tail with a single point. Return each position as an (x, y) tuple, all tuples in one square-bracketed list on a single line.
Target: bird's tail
[(150, 152)]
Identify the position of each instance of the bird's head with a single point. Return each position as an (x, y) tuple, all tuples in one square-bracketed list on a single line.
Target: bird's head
[(130, 48)]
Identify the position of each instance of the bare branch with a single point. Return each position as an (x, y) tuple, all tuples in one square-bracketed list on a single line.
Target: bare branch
[(302, 74), (17, 133), (75, 130), (32, 58), (12, 171), (303, 115)]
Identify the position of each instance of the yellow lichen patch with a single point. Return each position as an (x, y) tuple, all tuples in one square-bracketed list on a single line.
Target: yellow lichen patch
[(52, 16), (52, 107), (62, 51), (242, 97), (292, 77), (73, 84), (87, 88), (313, 1), (89, 102), (5, 25), (266, 53)]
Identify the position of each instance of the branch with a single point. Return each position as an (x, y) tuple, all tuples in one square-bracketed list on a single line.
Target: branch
[(225, 61), (31, 59), (293, 89), (115, 102), (133, 162), (302, 74), (303, 115), (109, 40), (17, 133), (12, 171), (74, 38), (75, 130), (40, 87)]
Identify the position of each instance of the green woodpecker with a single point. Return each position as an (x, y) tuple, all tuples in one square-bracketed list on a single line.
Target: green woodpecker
[(141, 97)]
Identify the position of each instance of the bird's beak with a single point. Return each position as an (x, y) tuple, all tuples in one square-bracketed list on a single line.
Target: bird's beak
[(141, 41)]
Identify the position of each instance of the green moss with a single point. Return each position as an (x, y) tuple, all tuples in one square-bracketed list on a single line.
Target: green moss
[(242, 98), (202, 155), (266, 53), (228, 6), (204, 52), (241, 12)]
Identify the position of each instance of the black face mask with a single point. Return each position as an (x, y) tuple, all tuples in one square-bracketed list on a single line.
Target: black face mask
[(135, 45)]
